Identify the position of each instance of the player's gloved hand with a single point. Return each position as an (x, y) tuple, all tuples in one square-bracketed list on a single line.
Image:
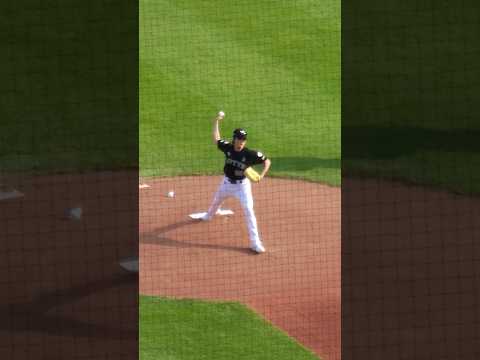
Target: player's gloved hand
[(252, 175)]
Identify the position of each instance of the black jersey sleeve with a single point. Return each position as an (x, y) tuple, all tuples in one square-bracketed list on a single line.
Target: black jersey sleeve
[(223, 145), (256, 157)]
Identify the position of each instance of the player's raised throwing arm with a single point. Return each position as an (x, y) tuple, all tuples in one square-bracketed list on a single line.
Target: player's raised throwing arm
[(216, 129)]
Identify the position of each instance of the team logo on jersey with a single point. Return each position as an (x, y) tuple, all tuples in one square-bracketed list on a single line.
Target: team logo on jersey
[(228, 153), (243, 159)]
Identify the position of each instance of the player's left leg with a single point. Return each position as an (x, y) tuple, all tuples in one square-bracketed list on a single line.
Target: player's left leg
[(246, 199)]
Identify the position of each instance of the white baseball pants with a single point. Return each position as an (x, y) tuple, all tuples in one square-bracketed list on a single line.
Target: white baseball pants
[(243, 192)]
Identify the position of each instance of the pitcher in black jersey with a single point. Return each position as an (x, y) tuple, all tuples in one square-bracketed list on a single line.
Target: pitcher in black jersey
[(235, 184)]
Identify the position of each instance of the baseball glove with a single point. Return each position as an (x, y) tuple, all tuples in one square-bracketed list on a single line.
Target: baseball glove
[(252, 174)]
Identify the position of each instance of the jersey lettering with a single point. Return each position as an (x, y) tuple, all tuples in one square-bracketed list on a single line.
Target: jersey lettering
[(236, 164)]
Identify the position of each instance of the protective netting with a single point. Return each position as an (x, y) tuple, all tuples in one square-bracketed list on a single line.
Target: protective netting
[(273, 67), (68, 180), (75, 221)]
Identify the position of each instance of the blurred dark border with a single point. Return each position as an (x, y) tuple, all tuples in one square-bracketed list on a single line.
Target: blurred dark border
[(410, 175), (69, 141)]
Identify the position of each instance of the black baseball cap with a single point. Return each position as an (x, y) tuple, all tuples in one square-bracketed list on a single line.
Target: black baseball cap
[(240, 134)]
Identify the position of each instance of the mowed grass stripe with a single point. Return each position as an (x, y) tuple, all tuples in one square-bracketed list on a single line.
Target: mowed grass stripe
[(194, 64)]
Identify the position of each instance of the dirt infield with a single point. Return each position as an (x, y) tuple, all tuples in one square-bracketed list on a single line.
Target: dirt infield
[(295, 285), (409, 260)]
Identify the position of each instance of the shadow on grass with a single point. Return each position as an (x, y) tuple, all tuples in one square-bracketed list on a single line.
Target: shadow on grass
[(298, 163), (369, 142)]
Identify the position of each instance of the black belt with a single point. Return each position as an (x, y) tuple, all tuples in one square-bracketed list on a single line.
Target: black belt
[(233, 181)]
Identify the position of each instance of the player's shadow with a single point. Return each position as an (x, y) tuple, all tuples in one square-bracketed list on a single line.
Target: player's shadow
[(297, 163), (159, 237), (39, 316)]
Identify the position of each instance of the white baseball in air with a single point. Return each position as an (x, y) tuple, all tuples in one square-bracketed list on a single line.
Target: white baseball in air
[(221, 114), (171, 194)]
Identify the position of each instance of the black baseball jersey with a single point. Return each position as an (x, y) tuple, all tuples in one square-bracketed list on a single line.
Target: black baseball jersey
[(237, 162)]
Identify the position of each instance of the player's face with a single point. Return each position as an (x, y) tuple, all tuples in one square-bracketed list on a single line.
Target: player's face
[(239, 144)]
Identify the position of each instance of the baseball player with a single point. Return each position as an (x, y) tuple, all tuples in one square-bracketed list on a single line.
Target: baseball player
[(235, 184)]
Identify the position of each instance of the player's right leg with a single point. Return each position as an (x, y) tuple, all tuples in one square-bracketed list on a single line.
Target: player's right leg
[(244, 194)]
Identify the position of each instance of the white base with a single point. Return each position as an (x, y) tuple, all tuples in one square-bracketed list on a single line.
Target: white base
[(12, 194), (130, 264), (221, 212)]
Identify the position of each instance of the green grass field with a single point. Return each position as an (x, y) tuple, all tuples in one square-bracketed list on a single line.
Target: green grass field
[(196, 330), (274, 68)]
